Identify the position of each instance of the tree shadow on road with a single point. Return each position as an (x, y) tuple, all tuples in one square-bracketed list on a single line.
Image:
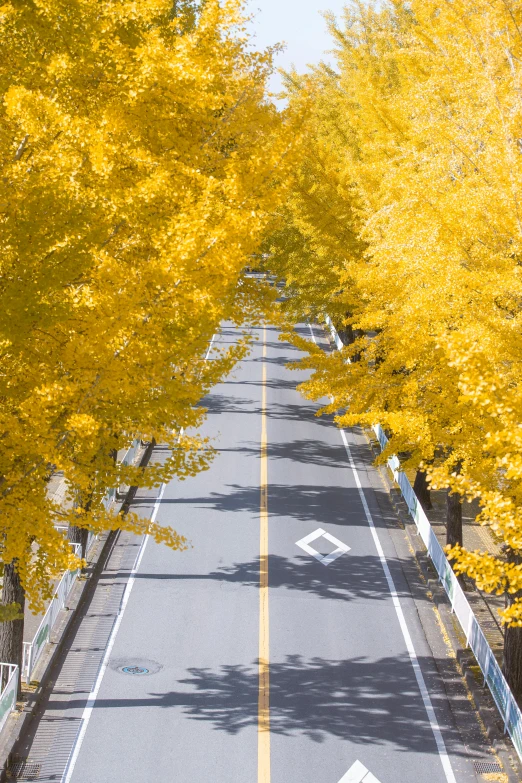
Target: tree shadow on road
[(222, 404), (368, 701), (218, 404), (349, 578), (274, 383), (309, 452), (322, 504)]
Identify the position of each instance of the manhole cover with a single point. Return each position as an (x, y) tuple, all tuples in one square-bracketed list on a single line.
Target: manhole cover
[(134, 670), (485, 767), (23, 769), (136, 665)]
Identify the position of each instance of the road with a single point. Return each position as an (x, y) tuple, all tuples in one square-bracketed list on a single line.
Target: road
[(246, 658)]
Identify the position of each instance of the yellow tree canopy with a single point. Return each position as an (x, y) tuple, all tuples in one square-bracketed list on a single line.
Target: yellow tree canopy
[(424, 146), (141, 163)]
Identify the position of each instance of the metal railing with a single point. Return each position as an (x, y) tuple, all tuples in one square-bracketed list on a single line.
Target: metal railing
[(33, 650), (492, 673), (132, 451), (9, 675), (91, 537)]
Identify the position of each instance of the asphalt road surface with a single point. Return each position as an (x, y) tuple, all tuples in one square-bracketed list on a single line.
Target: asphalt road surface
[(250, 657)]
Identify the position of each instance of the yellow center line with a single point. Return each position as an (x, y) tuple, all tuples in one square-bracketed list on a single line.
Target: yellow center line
[(263, 730)]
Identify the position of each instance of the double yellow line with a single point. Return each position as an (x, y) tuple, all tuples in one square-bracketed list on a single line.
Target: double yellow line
[(263, 730)]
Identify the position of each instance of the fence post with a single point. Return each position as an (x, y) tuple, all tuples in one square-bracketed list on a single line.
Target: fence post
[(486, 667), (468, 631), (25, 657), (508, 713), (29, 664)]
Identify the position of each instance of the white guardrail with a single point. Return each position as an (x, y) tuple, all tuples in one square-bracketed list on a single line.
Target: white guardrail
[(91, 537), (9, 675), (33, 650), (132, 451), (493, 677)]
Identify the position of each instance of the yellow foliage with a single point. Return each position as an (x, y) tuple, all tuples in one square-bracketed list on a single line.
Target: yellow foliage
[(404, 224), (140, 165), (10, 612)]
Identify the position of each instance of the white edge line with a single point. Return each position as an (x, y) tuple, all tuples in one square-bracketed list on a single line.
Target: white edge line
[(93, 695), (439, 740), (312, 333), (210, 347), (432, 718)]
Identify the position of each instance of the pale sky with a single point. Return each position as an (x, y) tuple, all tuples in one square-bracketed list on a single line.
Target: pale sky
[(299, 24)]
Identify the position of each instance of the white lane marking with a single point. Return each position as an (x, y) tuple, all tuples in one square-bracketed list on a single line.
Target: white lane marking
[(93, 695), (210, 347), (312, 333), (305, 542), (358, 774), (439, 740)]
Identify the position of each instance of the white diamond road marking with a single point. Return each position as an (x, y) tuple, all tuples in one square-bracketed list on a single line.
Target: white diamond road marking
[(358, 774), (304, 543)]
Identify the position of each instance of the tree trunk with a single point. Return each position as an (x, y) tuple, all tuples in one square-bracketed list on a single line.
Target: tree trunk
[(422, 490), (512, 667), (12, 633), (79, 535), (454, 526), (453, 518), (346, 334)]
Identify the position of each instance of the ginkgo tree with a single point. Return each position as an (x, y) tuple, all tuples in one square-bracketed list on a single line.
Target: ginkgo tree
[(417, 135), (141, 163)]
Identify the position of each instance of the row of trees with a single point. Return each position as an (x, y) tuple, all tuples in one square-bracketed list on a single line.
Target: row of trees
[(405, 224), (140, 163)]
